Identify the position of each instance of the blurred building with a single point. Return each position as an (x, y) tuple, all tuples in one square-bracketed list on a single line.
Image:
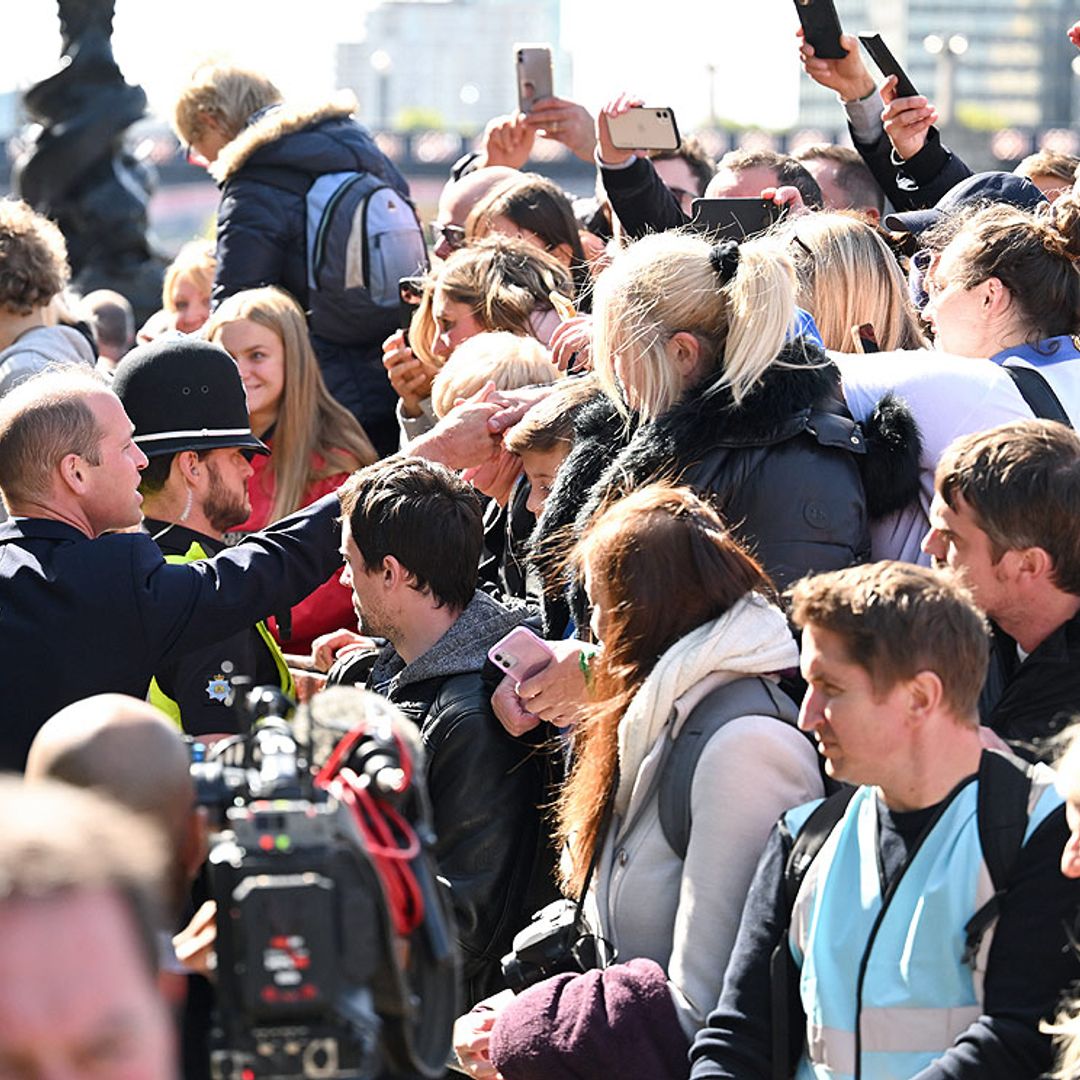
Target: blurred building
[(446, 63), (986, 64)]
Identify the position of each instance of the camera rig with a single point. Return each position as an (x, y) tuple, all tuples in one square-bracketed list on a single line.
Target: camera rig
[(335, 941)]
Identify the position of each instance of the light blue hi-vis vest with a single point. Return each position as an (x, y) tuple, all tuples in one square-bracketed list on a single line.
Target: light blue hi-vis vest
[(917, 994)]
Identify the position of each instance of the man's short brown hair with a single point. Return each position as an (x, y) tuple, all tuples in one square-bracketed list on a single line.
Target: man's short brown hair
[(42, 420), (1022, 482), (34, 257), (897, 619)]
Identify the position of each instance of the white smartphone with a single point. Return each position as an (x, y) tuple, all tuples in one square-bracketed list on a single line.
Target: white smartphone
[(534, 78), (521, 653), (644, 128)]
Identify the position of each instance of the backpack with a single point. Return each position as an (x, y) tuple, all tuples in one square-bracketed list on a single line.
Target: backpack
[(361, 237), (1002, 812), (751, 696)]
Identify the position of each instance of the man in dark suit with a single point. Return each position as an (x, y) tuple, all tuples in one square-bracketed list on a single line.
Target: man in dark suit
[(83, 613)]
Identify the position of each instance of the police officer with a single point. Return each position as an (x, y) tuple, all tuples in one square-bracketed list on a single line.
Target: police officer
[(187, 402), (84, 613)]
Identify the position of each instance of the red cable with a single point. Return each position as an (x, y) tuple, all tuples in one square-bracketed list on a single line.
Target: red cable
[(390, 841)]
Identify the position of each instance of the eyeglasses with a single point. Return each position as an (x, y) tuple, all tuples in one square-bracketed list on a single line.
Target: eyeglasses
[(452, 235), (797, 241)]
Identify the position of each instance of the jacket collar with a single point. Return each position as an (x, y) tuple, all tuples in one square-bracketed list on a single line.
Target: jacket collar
[(32, 528), (273, 125)]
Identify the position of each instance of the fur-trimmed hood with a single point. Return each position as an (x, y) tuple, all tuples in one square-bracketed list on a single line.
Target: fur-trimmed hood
[(274, 125)]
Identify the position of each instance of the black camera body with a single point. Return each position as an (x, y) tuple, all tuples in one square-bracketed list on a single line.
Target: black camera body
[(311, 981), (298, 921), (555, 941)]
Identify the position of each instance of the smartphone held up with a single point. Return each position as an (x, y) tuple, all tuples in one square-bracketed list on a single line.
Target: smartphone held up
[(534, 76)]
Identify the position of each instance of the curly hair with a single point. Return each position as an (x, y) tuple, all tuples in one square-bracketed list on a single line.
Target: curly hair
[(34, 257)]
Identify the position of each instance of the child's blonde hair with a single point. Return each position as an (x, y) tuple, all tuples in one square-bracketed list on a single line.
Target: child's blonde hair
[(508, 360)]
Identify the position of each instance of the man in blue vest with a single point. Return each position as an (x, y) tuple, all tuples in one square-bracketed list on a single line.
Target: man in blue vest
[(888, 954), (187, 402)]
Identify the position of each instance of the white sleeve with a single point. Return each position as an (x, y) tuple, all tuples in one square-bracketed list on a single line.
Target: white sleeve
[(749, 773)]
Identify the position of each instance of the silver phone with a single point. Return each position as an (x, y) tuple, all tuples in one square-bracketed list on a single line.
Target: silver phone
[(534, 78)]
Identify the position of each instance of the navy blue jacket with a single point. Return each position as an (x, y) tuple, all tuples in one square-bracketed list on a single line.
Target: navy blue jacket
[(261, 236), (81, 616)]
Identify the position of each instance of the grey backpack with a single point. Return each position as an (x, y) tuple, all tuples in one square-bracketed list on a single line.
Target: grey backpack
[(751, 696), (361, 237)]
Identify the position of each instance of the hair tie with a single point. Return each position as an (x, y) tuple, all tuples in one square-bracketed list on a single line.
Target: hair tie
[(724, 259)]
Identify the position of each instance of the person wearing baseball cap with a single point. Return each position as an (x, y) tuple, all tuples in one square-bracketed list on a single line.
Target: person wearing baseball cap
[(974, 192), (187, 402)]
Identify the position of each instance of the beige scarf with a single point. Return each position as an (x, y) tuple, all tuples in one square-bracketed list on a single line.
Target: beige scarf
[(752, 638)]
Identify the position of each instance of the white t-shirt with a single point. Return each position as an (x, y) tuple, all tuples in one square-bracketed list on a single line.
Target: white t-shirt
[(949, 396)]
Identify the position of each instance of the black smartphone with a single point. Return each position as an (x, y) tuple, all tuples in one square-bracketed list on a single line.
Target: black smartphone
[(534, 77), (733, 219), (821, 25), (410, 293), (888, 64)]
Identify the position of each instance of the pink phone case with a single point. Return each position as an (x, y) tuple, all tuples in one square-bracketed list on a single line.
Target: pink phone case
[(521, 653)]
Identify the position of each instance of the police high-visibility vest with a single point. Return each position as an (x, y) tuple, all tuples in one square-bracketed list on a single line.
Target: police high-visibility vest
[(883, 980), (157, 696)]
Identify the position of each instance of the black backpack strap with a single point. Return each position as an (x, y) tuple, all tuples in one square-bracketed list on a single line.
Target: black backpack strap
[(1003, 796), (1038, 394), (783, 976), (752, 696)]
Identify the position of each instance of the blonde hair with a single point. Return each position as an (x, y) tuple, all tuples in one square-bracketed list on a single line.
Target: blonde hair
[(847, 276), (227, 93), (196, 261), (502, 281), (508, 360), (549, 424), (665, 284), (309, 422)]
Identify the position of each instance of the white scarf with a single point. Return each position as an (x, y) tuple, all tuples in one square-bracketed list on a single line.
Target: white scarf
[(751, 638)]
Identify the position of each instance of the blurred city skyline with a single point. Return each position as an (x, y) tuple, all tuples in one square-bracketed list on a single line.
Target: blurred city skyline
[(738, 63)]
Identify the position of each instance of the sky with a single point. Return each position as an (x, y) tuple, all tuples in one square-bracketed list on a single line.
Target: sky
[(614, 45)]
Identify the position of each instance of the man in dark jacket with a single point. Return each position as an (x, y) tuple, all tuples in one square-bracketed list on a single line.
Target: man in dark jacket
[(265, 155), (83, 613), (186, 400), (1004, 516), (411, 536)]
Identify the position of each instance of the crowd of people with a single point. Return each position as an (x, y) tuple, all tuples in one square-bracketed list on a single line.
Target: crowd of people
[(789, 525)]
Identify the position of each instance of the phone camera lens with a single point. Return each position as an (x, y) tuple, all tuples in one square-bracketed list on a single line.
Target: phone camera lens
[(498, 657)]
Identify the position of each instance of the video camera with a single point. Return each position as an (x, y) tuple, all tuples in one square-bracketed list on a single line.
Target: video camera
[(335, 942)]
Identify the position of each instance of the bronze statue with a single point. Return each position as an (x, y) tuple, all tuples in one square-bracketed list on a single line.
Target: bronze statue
[(77, 169)]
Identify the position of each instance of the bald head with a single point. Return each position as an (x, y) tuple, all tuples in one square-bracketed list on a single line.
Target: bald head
[(121, 746), (460, 196)]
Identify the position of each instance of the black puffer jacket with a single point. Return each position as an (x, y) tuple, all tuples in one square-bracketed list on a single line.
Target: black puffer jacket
[(486, 787), (795, 477), (261, 231)]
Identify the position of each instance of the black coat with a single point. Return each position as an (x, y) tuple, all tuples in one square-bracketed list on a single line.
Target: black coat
[(261, 235), (1028, 703), (795, 477), (81, 616), (486, 787)]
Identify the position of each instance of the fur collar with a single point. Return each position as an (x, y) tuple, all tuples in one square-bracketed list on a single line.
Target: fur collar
[(278, 122)]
